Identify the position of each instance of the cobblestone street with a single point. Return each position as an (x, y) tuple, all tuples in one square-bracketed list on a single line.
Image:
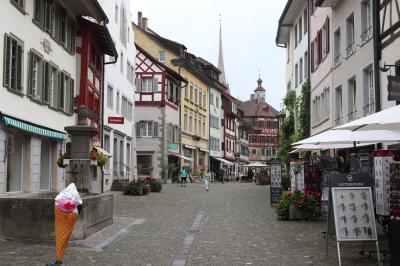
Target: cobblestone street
[(233, 224)]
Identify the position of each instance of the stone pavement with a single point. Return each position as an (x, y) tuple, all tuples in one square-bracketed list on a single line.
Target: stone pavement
[(233, 224)]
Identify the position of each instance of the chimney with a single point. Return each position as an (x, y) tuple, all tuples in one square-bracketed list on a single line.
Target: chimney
[(139, 19), (144, 24)]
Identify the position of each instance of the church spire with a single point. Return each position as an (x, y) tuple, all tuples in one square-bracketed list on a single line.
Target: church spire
[(221, 67)]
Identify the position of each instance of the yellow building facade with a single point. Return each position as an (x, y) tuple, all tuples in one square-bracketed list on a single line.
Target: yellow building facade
[(194, 105)]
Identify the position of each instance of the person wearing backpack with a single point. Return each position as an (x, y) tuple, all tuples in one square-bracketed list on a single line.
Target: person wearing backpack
[(184, 176)]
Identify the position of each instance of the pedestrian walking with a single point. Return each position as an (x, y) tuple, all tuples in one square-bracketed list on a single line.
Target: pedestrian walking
[(206, 178), (184, 175)]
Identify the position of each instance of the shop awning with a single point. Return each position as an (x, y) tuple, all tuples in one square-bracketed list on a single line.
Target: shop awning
[(181, 156), (34, 129), (226, 162), (190, 147), (103, 151)]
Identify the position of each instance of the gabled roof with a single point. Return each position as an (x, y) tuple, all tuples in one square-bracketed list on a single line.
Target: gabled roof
[(254, 108), (167, 43), (169, 70), (102, 36), (287, 19), (89, 8)]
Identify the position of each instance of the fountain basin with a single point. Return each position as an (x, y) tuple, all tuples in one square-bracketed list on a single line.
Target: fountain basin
[(31, 216)]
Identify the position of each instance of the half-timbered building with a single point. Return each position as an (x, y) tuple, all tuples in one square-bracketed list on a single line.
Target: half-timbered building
[(264, 136), (388, 46), (157, 115)]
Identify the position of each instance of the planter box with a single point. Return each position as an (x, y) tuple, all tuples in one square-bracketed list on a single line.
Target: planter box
[(296, 214)]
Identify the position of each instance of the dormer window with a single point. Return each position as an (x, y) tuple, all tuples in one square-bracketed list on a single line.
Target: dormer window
[(161, 56)]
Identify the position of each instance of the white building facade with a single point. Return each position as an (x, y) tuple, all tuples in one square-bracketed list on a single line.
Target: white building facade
[(39, 71), (293, 35), (353, 94), (119, 95)]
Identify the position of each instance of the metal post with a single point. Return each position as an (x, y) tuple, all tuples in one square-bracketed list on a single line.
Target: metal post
[(378, 253), (338, 250)]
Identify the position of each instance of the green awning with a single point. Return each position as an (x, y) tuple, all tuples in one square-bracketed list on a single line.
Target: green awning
[(33, 129)]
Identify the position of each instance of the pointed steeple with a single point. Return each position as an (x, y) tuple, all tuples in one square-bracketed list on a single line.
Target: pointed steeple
[(221, 67)]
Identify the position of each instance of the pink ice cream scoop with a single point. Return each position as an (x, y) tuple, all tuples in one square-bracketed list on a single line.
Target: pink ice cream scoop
[(67, 205)]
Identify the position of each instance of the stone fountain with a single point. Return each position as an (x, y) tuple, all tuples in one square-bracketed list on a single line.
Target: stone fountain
[(32, 215)]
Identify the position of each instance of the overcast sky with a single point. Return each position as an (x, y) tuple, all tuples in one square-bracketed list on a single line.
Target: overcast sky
[(248, 35)]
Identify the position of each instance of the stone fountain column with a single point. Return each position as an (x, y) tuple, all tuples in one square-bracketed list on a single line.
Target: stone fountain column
[(82, 173)]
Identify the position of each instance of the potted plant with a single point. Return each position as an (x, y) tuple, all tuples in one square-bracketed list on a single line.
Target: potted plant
[(298, 206), (63, 160)]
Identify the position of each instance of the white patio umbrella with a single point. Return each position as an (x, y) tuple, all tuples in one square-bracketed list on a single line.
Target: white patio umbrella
[(310, 147), (255, 165), (388, 119), (352, 137)]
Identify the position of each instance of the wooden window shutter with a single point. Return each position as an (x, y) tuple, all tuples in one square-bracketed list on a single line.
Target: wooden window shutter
[(7, 61), (30, 88), (37, 15), (155, 84), (55, 89), (327, 35), (138, 82), (71, 96), (319, 41), (155, 130), (46, 82), (20, 60), (73, 33), (61, 91), (312, 57)]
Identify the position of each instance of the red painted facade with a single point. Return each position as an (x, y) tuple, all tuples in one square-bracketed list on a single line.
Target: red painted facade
[(92, 74)]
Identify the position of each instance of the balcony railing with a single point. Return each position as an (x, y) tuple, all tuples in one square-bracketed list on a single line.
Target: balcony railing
[(352, 116), (366, 35), (351, 49), (338, 121), (337, 60)]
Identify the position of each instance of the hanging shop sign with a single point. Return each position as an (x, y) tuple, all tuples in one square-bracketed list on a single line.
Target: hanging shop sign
[(393, 88), (351, 180), (382, 161), (115, 120)]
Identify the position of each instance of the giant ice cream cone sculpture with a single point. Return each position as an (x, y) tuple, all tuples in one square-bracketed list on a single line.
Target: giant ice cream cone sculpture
[(66, 214), (64, 225)]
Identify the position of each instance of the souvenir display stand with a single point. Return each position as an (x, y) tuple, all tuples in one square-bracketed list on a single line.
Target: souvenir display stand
[(394, 222), (276, 181), (382, 161), (297, 176)]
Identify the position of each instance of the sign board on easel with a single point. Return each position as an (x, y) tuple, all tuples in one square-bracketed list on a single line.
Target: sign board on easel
[(351, 210), (276, 182)]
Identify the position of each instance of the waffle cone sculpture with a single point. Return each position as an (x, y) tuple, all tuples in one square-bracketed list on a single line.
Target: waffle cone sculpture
[(64, 225)]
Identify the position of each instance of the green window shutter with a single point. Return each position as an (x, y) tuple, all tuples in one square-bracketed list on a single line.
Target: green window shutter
[(138, 84), (20, 59), (73, 33), (61, 91), (7, 60), (37, 15), (55, 88), (30, 77), (46, 82), (71, 91)]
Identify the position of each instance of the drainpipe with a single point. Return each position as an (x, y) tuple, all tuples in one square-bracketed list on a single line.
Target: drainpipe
[(377, 54), (102, 113)]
